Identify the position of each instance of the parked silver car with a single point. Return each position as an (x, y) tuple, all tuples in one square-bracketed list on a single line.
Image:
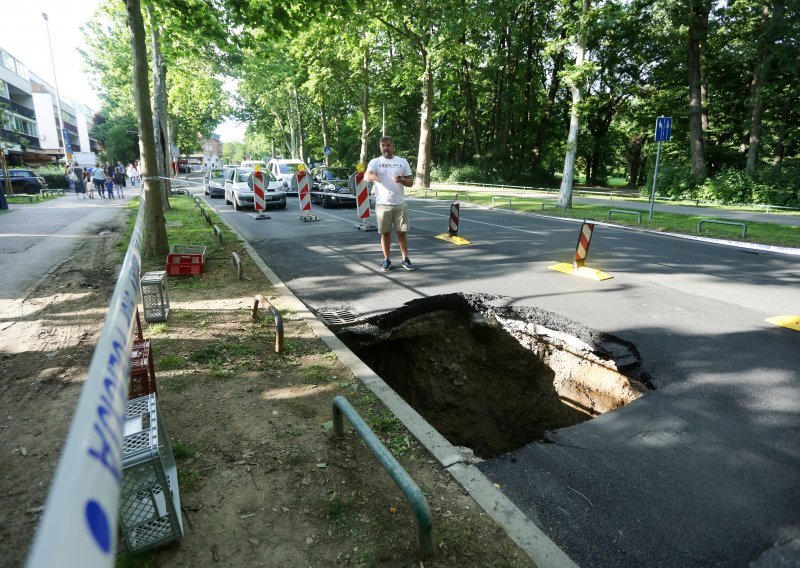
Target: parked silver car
[(238, 192), (214, 182)]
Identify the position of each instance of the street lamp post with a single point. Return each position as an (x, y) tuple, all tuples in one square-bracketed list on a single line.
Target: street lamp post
[(58, 96)]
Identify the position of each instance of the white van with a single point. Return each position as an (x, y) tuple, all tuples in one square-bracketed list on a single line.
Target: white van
[(283, 170)]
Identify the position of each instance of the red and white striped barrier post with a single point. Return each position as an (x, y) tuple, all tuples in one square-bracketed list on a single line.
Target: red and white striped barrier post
[(361, 188), (455, 208), (258, 190), (256, 183), (582, 250), (304, 196)]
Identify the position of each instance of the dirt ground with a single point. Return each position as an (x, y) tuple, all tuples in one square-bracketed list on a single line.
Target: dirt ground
[(263, 479)]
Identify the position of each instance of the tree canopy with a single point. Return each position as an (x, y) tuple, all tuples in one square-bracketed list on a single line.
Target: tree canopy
[(480, 90)]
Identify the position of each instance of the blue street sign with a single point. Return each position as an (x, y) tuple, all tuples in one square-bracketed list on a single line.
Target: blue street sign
[(663, 128), (327, 150)]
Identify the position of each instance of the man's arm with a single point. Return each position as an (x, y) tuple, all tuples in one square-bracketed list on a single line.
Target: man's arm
[(405, 181), (371, 175)]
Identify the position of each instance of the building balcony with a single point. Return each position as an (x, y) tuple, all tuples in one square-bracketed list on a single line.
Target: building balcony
[(15, 138), (19, 109)]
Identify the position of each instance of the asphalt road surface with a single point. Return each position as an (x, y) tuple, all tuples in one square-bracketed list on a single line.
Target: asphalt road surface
[(702, 471), (36, 237)]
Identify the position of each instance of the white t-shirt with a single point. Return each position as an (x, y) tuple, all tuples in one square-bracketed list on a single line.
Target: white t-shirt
[(386, 190)]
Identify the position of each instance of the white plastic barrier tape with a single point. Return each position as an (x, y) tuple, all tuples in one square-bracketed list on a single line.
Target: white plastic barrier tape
[(79, 527)]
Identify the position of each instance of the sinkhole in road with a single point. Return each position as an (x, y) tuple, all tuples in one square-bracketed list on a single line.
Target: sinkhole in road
[(494, 378)]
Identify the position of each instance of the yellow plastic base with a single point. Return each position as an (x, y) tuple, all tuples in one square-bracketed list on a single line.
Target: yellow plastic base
[(790, 322), (454, 240), (583, 271)]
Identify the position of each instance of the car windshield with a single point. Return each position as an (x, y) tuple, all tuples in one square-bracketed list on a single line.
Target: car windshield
[(288, 168), (330, 174), (244, 175), (216, 174)]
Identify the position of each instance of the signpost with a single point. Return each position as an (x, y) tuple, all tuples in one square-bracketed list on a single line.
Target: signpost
[(663, 134), (327, 150)]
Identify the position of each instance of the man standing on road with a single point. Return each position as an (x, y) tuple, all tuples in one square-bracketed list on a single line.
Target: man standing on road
[(391, 174)]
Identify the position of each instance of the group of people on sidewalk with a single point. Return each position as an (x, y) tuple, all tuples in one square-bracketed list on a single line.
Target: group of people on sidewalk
[(106, 179)]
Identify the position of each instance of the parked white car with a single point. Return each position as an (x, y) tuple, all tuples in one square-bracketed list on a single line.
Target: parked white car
[(283, 170), (238, 192)]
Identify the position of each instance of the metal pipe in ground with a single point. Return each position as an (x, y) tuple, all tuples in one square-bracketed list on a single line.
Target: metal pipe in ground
[(260, 299), (416, 499)]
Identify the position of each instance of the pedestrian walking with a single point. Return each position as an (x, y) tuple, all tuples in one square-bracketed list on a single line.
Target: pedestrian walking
[(119, 179), (391, 174), (130, 171), (99, 180), (110, 188), (78, 176)]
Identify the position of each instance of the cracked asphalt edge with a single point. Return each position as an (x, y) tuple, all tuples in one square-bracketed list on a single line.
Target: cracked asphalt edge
[(519, 527)]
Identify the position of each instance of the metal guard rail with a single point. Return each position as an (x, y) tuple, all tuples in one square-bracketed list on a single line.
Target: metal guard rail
[(735, 223), (260, 299), (416, 499), (624, 212)]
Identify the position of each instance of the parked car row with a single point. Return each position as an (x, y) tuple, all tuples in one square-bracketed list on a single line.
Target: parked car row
[(23, 181), (329, 185)]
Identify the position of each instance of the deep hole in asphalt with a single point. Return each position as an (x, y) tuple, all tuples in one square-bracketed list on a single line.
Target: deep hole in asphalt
[(494, 378)]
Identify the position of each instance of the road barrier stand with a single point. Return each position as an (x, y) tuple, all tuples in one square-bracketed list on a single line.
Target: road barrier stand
[(789, 322), (414, 496), (465, 195), (260, 299), (577, 267), (300, 180), (451, 236), (237, 262), (257, 184), (80, 522), (734, 223), (624, 212), (360, 187)]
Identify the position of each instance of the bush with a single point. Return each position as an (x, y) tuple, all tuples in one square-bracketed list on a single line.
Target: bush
[(467, 173), (54, 176), (440, 172), (674, 181)]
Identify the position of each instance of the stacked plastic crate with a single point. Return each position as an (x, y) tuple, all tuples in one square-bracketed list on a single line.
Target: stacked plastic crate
[(150, 505)]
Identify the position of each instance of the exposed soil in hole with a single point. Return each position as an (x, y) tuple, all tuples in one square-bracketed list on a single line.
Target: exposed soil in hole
[(495, 379)]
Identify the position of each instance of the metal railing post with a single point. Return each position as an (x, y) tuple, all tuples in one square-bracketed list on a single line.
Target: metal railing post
[(416, 499)]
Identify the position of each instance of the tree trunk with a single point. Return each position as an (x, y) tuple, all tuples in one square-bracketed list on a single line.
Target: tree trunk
[(362, 157), (6, 179), (698, 27), (423, 178), (300, 133), (324, 117), (470, 101), (547, 111), (565, 195), (788, 105), (163, 154), (637, 143), (155, 243), (292, 130), (760, 78)]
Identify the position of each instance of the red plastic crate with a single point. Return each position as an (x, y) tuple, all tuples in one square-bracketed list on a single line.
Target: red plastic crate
[(186, 260), (143, 374), (185, 269)]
